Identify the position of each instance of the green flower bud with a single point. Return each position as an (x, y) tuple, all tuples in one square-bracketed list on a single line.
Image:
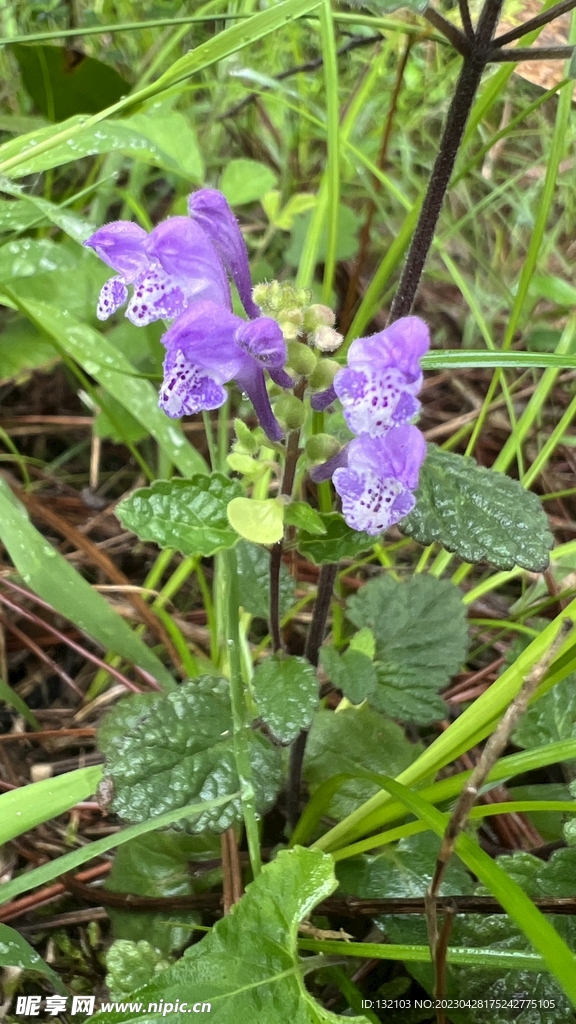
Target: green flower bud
[(318, 316), (321, 447), (290, 412), (246, 440), (301, 359), (323, 374)]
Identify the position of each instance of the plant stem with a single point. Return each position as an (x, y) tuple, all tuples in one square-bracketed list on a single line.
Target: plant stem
[(313, 645), (240, 721), (468, 82), (538, 22)]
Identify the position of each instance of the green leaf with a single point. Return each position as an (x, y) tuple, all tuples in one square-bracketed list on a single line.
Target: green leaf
[(355, 740), (189, 515), (301, 514), (63, 82), (248, 967), (23, 808), (479, 514), (339, 541), (102, 361), (286, 692), (379, 7), (26, 257), (553, 289), (17, 215), (421, 641), (158, 864), (22, 349), (254, 580), (351, 672), (246, 181), (168, 142), (347, 245), (122, 427), (550, 718), (50, 576), (258, 521), (15, 952), (163, 752), (131, 964), (466, 359)]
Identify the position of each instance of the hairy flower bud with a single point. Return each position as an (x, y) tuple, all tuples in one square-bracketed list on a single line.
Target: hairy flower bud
[(318, 315), (301, 359), (290, 412), (323, 374), (321, 447), (327, 339)]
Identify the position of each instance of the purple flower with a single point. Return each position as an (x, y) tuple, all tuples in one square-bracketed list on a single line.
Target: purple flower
[(183, 260), (379, 385), (375, 477), (208, 346)]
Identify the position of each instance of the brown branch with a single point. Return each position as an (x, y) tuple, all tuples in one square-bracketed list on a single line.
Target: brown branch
[(459, 41), (538, 22), (521, 53)]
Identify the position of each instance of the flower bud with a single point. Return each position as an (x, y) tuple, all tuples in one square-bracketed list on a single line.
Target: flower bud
[(323, 374), (318, 316), (290, 412), (321, 447), (246, 440), (301, 359), (327, 339)]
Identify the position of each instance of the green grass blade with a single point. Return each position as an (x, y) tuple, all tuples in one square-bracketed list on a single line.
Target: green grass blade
[(333, 143), (50, 576), (221, 46), (24, 808), (71, 861), (495, 959), (98, 357), (10, 697)]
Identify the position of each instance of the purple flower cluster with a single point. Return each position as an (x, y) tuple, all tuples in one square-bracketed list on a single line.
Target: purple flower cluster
[(180, 271), (377, 472)]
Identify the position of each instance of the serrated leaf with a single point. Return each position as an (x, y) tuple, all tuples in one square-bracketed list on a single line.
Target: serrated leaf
[(355, 740), (301, 514), (16, 952), (261, 522), (478, 514), (189, 515), (339, 541), (352, 672), (163, 752), (248, 967), (254, 580), (551, 718), (421, 641), (286, 693)]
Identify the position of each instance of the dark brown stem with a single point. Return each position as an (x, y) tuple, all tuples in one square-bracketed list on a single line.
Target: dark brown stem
[(530, 53), (466, 19), (292, 453), (460, 106), (542, 19), (459, 41), (231, 872), (311, 652)]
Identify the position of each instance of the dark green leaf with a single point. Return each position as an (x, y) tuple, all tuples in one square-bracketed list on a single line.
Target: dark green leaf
[(286, 693), (163, 752), (22, 349), (189, 515), (254, 572), (355, 740), (158, 864), (64, 82), (347, 245), (122, 427), (421, 640), (551, 718), (351, 672), (380, 7), (339, 541), (15, 952), (479, 514), (248, 968), (301, 514)]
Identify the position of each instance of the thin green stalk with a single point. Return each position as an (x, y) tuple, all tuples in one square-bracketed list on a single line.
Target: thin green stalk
[(493, 959), (555, 438), (333, 144), (212, 449), (240, 719)]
